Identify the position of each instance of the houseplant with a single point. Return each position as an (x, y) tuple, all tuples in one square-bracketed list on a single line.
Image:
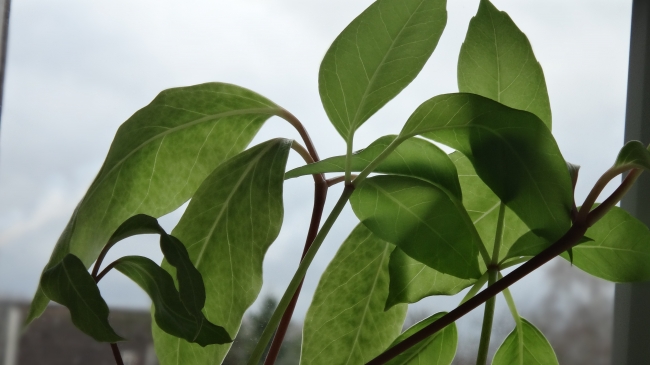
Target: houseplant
[(186, 144)]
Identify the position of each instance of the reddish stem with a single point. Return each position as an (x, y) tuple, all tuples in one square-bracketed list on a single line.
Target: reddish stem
[(116, 354)]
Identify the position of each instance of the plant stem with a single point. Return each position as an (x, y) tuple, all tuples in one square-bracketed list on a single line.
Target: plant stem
[(320, 195), (616, 196), (493, 271), (116, 354), (475, 288), (488, 319), (348, 162), (598, 188), (298, 276), (518, 324), (568, 240)]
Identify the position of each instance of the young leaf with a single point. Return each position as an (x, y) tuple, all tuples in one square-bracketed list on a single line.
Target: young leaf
[(422, 220), (411, 280), (69, 283), (437, 349), (170, 313), (618, 249), (512, 151), (537, 350), (157, 160), (229, 224), (414, 157), (635, 155), (497, 61), (377, 56), (346, 322)]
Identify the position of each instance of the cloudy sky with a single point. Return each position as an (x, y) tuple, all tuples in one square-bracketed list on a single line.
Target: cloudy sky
[(77, 69)]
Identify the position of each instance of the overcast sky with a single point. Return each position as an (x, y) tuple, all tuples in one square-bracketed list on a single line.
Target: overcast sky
[(77, 69)]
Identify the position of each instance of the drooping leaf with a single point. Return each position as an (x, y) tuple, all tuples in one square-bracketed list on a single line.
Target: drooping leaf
[(497, 61), (618, 249), (635, 155), (69, 283), (537, 350), (437, 349), (157, 160), (414, 157), (377, 56), (483, 208), (170, 313), (346, 322), (512, 151), (231, 221), (422, 220), (411, 280)]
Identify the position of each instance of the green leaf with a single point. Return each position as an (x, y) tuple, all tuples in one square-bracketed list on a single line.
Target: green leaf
[(635, 155), (537, 350), (483, 208), (437, 349), (170, 313), (377, 56), (157, 160), (229, 224), (512, 151), (411, 280), (69, 283), (619, 249), (422, 220), (497, 61), (346, 322), (414, 157)]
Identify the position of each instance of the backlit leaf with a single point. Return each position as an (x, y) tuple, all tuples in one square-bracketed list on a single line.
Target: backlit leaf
[(619, 249), (422, 220), (537, 350), (414, 157), (346, 322), (170, 313), (229, 224), (635, 155), (377, 56), (497, 61), (512, 151), (437, 349), (157, 160), (69, 283)]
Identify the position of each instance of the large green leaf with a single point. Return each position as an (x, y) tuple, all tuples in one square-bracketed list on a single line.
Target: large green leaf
[(377, 56), (414, 157), (422, 220), (437, 349), (69, 283), (497, 61), (157, 160), (229, 224), (170, 313), (619, 249), (411, 280), (346, 322), (483, 208), (537, 350), (512, 151)]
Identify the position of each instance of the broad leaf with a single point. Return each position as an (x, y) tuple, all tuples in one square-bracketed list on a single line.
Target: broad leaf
[(512, 151), (157, 160), (437, 349), (537, 350), (422, 220), (377, 56), (619, 249), (346, 322), (497, 61), (411, 280), (483, 208), (635, 155), (169, 312), (69, 283), (414, 157), (229, 224)]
